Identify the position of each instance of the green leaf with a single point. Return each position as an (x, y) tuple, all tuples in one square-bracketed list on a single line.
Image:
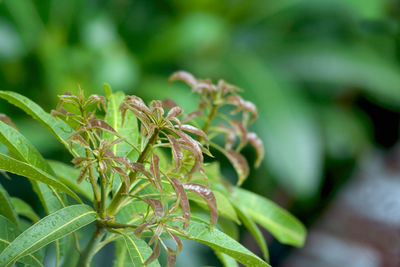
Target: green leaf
[(47, 230), (6, 207), (137, 252), (128, 130), (284, 226), (8, 232), (23, 208), (221, 242), (20, 148), (26, 170), (68, 175), (58, 127), (253, 228), (226, 260)]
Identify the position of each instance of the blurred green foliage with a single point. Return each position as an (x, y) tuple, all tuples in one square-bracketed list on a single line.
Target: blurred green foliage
[(304, 63)]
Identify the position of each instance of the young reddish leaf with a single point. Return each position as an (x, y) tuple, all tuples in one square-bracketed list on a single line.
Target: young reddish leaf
[(230, 139), (192, 115), (194, 130), (205, 86), (183, 200), (137, 103), (155, 169), (168, 103), (176, 151), (183, 76), (178, 243), (96, 124), (239, 163), (99, 100), (208, 196), (174, 112), (155, 205), (83, 173), (141, 228), (258, 145), (171, 260), (140, 168), (123, 175), (154, 255)]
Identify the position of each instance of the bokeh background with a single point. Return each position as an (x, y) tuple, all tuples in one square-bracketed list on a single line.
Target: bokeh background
[(325, 76)]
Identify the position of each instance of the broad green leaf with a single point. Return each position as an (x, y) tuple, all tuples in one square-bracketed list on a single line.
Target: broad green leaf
[(137, 252), (284, 226), (128, 130), (226, 260), (47, 230), (221, 242), (23, 169), (68, 175), (253, 228), (20, 148), (6, 206), (8, 232), (58, 127), (23, 208)]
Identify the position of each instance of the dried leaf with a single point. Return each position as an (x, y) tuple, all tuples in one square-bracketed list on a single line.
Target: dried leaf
[(208, 196)]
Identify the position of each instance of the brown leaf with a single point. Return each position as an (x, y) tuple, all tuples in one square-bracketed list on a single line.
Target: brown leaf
[(239, 163), (155, 205), (154, 255), (258, 145), (168, 103), (208, 196), (176, 151), (174, 112), (140, 168), (183, 76), (183, 200), (155, 169), (194, 130)]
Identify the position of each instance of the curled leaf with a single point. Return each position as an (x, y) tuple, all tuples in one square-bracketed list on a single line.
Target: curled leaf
[(154, 255), (168, 103), (208, 196), (194, 130), (256, 142), (155, 169), (183, 200), (183, 76), (155, 205), (176, 151), (239, 163)]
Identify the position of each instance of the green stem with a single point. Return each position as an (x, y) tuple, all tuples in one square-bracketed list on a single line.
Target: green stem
[(210, 117), (121, 194), (89, 252)]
